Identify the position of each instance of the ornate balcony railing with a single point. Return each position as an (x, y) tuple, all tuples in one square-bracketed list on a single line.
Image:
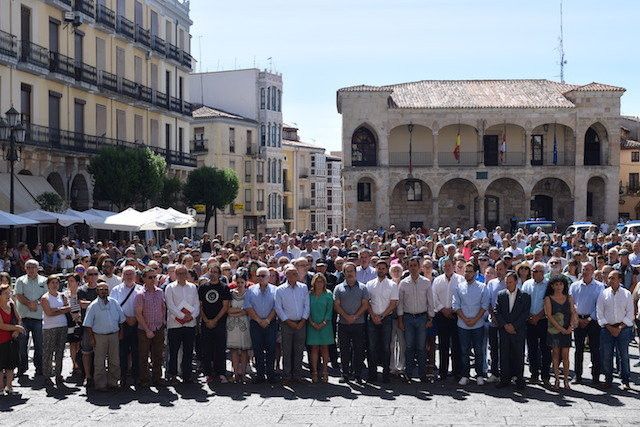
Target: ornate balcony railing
[(143, 36), (125, 27), (158, 45), (8, 45), (85, 73), (87, 7), (106, 16), (34, 54), (57, 139), (61, 64)]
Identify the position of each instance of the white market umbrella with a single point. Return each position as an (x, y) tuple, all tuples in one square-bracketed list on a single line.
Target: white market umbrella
[(10, 220), (157, 218), (188, 221), (46, 217), (84, 216), (127, 220), (99, 213)]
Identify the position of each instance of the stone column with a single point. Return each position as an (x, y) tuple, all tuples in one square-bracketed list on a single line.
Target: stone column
[(383, 148), (434, 212), (527, 206), (579, 147), (611, 198), (480, 209), (527, 148), (434, 150), (480, 146), (580, 204)]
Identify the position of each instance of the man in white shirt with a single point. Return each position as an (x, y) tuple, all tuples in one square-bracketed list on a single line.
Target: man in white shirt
[(125, 296), (614, 310), (365, 272), (66, 254), (383, 299), (108, 266), (183, 307), (444, 286)]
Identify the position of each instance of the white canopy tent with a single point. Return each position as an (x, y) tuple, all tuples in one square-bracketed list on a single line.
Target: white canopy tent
[(188, 220), (45, 217), (127, 220), (84, 216), (11, 220), (159, 219)]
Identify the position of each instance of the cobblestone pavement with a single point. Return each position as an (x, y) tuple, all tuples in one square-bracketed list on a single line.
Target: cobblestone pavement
[(326, 404)]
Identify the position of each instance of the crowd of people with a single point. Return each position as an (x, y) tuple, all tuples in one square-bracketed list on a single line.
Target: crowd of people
[(420, 305)]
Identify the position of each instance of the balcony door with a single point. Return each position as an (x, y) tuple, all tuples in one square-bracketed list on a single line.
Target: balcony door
[(491, 150), (78, 122), (54, 37)]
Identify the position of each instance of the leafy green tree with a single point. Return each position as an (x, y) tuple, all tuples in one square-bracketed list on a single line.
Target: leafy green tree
[(50, 201), (171, 194), (127, 176), (212, 187)]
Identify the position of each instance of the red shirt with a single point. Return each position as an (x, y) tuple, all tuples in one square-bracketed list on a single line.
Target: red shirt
[(7, 318)]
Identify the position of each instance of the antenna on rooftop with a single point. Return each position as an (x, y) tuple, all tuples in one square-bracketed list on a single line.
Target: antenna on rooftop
[(563, 61), (200, 52)]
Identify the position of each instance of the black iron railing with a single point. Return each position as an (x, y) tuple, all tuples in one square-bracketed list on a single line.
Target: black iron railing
[(61, 64), (107, 81), (87, 7), (125, 27), (57, 139), (142, 36), (8, 45), (86, 74), (34, 54), (173, 52), (158, 45), (106, 16)]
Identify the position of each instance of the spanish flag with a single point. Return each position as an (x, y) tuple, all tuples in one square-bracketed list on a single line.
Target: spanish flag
[(456, 150)]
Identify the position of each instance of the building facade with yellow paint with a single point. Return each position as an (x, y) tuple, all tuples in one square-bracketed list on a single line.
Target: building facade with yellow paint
[(87, 74)]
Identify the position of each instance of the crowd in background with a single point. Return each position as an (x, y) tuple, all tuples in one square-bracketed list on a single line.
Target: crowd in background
[(419, 305)]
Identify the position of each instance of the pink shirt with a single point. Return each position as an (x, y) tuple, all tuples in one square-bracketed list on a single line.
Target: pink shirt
[(153, 308)]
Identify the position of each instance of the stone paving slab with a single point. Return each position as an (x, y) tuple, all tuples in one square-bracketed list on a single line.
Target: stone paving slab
[(330, 404)]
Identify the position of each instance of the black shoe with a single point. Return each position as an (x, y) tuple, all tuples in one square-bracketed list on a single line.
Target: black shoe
[(89, 383), (343, 380), (48, 382), (59, 381), (577, 380), (404, 377)]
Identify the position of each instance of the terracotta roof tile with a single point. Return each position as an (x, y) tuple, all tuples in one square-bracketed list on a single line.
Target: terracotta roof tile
[(455, 94), (208, 112)]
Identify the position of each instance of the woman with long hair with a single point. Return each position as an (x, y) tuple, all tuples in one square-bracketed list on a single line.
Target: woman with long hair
[(238, 338), (10, 328), (319, 328), (561, 314)]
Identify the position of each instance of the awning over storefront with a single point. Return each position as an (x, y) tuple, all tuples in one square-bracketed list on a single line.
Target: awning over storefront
[(26, 189)]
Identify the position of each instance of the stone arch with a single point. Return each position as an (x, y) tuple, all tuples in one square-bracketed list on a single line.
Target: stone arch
[(79, 193), (411, 204), (468, 145), (504, 144), (365, 197), (596, 143), (57, 183), (421, 145), (504, 198), (364, 146), (551, 198), (596, 187), (541, 144), (458, 203)]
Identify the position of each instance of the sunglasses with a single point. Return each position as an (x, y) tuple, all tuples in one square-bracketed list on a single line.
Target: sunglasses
[(92, 274)]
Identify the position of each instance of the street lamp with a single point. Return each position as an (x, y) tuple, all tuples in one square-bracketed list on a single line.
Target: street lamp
[(13, 131)]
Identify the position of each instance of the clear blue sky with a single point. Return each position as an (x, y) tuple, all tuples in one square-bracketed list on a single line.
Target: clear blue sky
[(322, 45)]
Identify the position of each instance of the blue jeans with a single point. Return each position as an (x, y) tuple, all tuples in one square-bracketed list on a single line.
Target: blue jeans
[(263, 341), (415, 339), (621, 343), (33, 326), (379, 345), (472, 338)]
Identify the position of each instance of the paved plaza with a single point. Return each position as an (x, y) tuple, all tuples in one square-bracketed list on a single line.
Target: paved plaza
[(328, 404)]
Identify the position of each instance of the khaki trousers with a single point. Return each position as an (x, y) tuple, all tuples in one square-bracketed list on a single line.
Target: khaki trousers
[(106, 363)]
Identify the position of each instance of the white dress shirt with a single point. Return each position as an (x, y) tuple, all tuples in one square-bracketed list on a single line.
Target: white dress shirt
[(120, 292), (443, 290), (381, 293), (615, 307), (512, 298), (178, 297)]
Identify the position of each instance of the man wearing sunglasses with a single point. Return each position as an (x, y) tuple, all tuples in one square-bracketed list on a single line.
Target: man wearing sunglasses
[(86, 294)]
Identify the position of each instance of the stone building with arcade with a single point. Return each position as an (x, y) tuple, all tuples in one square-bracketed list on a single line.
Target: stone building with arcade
[(457, 153)]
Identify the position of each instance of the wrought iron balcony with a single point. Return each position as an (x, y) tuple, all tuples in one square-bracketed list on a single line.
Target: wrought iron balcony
[(143, 36), (87, 7), (107, 81), (85, 73), (129, 88), (106, 16), (8, 45), (125, 27), (158, 45), (161, 100), (57, 139), (146, 94), (173, 52), (61, 64), (185, 59), (34, 54), (199, 145)]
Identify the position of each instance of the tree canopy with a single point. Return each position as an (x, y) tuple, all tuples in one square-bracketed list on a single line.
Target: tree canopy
[(212, 187), (50, 201), (127, 176)]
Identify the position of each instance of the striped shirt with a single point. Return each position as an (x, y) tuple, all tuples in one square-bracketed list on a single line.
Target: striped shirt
[(153, 308)]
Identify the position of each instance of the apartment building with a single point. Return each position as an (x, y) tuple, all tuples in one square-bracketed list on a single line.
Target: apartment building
[(334, 192), (86, 74), (227, 140)]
